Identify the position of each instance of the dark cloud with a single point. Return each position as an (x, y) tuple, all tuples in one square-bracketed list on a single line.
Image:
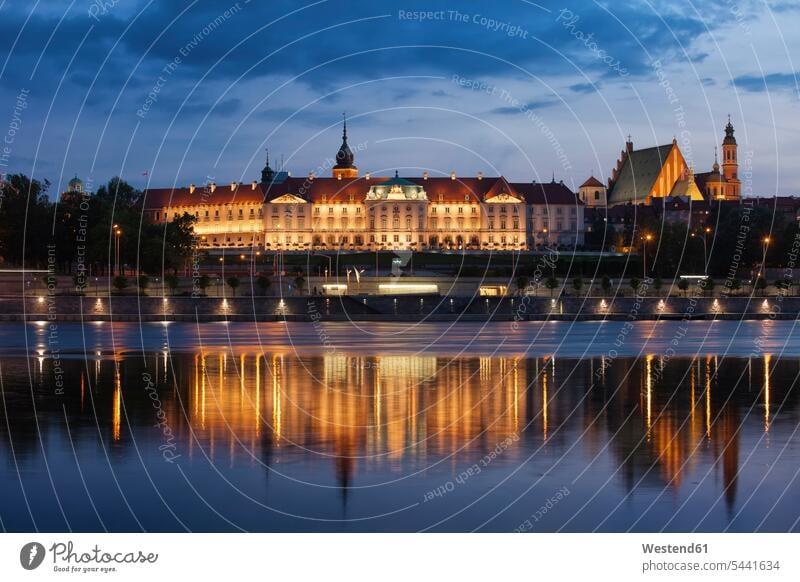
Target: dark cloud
[(770, 82), (530, 106), (236, 54), (584, 88)]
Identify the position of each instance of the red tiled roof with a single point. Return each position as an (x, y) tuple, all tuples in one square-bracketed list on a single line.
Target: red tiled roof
[(157, 198), (592, 182), (334, 190), (448, 190), (546, 193), (315, 190)]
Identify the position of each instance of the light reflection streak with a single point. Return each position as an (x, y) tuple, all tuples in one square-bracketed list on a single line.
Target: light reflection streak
[(767, 358), (708, 397), (425, 405), (117, 407)]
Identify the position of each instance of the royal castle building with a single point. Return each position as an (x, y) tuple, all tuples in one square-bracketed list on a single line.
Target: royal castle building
[(349, 211)]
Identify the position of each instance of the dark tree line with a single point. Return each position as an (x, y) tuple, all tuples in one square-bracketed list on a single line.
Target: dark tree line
[(731, 241), (78, 231)]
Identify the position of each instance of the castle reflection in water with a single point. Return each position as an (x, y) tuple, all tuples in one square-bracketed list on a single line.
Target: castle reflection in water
[(658, 420)]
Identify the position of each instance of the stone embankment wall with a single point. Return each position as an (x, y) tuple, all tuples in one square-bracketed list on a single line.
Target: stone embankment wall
[(387, 308)]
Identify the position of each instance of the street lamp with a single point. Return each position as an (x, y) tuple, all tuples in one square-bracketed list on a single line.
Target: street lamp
[(766, 240), (330, 264), (705, 248), (647, 238), (117, 235)]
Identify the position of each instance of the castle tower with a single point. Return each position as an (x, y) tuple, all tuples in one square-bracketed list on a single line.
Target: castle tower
[(267, 174), (730, 164), (345, 168), (592, 192)]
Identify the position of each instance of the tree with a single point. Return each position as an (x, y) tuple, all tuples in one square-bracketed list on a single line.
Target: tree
[(735, 284), (522, 284), (49, 280), (299, 281), (263, 283), (120, 283), (760, 284), (178, 241), (605, 284), (683, 285), (635, 284), (172, 282), (25, 221), (657, 284), (761, 222), (551, 283), (577, 284), (233, 283), (144, 282), (708, 285), (783, 284), (80, 282), (203, 283)]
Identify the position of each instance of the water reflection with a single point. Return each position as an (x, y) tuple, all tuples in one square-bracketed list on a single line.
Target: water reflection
[(354, 424)]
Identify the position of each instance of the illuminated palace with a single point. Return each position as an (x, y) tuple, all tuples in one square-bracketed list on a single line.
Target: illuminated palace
[(647, 175), (347, 211)]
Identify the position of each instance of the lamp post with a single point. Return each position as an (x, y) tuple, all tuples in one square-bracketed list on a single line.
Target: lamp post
[(766, 240), (706, 230), (330, 265), (647, 238), (117, 235)]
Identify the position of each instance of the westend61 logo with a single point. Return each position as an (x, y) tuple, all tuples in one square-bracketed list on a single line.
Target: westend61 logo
[(67, 559)]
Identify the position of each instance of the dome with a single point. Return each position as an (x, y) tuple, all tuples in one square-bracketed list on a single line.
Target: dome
[(75, 185), (396, 188), (715, 176)]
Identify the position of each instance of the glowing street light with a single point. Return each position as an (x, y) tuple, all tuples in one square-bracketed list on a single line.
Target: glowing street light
[(647, 238), (117, 237)]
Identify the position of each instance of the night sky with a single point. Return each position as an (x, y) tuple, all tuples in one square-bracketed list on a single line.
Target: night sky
[(192, 91)]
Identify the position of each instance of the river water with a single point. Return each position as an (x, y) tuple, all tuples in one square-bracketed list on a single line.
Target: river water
[(551, 426)]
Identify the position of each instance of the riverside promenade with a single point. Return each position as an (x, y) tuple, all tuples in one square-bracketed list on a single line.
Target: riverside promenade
[(389, 308)]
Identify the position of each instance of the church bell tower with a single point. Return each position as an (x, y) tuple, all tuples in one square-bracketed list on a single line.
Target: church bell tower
[(730, 164)]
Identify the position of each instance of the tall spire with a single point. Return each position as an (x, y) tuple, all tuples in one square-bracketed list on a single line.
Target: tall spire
[(345, 166), (267, 174)]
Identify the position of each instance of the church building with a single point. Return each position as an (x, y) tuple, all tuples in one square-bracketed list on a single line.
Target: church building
[(651, 174)]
